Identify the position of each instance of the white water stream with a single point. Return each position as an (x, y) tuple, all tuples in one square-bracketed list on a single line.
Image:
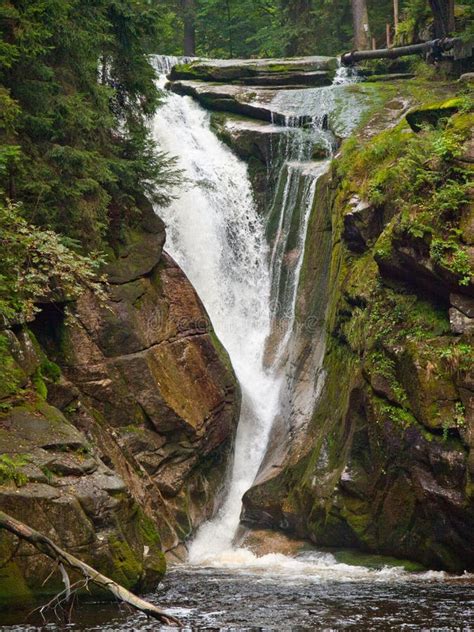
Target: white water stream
[(217, 236)]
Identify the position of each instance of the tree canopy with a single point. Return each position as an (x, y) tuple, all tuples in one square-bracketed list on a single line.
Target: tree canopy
[(76, 91), (259, 28)]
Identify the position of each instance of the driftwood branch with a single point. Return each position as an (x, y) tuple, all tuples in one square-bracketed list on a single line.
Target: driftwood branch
[(65, 559), (436, 47)]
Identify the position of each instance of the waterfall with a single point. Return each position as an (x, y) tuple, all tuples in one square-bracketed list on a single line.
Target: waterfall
[(246, 276), (217, 236)]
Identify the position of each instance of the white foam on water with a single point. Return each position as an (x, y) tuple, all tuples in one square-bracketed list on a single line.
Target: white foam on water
[(312, 567)]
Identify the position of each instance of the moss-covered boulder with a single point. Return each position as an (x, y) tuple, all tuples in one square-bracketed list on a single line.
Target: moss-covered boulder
[(141, 375), (433, 115), (144, 374), (313, 71)]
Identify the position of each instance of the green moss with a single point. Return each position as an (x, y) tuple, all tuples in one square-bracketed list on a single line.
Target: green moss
[(13, 588), (358, 516), (378, 562), (11, 375), (50, 370), (457, 357), (396, 414), (155, 560), (10, 469), (434, 114), (454, 257), (150, 534), (133, 429), (39, 384), (221, 351), (127, 567)]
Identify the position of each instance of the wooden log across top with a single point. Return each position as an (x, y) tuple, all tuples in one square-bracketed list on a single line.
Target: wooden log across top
[(437, 47)]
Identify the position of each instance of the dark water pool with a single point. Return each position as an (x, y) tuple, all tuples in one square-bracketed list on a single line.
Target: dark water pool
[(230, 600)]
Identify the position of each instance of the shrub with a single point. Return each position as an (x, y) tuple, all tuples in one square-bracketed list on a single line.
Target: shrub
[(37, 264)]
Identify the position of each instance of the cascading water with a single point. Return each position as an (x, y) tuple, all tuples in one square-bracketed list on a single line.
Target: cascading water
[(246, 277)]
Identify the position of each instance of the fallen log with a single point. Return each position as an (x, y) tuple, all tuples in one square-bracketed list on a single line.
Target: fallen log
[(63, 558), (435, 47)]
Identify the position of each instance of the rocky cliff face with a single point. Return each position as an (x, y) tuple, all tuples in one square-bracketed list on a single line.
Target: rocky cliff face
[(382, 461), (385, 464), (117, 422)]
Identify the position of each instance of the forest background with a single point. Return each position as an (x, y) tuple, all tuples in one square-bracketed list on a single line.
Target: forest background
[(77, 92)]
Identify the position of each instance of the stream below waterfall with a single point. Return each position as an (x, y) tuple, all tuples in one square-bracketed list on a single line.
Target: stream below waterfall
[(221, 240), (287, 595)]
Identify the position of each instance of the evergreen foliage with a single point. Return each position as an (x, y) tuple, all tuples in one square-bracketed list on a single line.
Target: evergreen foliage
[(76, 93), (38, 265), (76, 89), (263, 28)]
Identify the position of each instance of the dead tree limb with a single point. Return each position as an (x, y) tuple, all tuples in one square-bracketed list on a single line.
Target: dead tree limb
[(436, 47), (49, 548)]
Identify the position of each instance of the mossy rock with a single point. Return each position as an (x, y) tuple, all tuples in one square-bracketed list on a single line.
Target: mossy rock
[(433, 115), (377, 562)]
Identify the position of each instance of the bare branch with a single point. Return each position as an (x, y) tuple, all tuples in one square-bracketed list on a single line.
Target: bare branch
[(49, 548)]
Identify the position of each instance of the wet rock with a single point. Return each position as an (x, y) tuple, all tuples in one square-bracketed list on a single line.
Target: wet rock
[(62, 393), (396, 76), (385, 458), (467, 77), (409, 260), (460, 323), (148, 367), (254, 103), (55, 485), (24, 352), (26, 427), (142, 249), (249, 138), (465, 304), (431, 391), (362, 223), (263, 542), (305, 70), (225, 98)]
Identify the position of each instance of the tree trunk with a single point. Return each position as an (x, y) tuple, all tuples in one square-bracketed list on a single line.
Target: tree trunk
[(65, 559), (435, 47), (229, 28), (189, 19), (360, 16), (443, 13), (396, 14)]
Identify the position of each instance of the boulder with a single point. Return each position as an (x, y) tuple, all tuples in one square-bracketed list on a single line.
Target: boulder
[(409, 259), (362, 223), (53, 480), (147, 364), (467, 77), (315, 71), (432, 115), (460, 323)]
